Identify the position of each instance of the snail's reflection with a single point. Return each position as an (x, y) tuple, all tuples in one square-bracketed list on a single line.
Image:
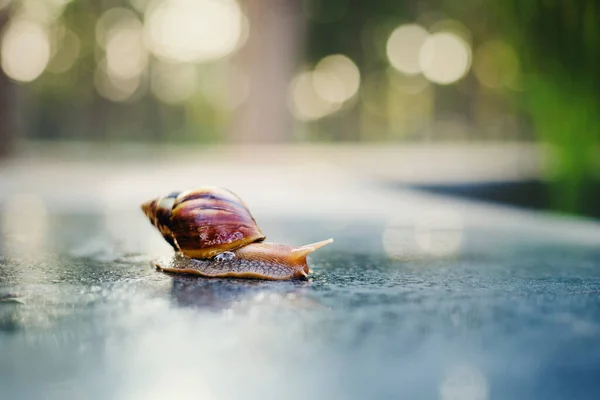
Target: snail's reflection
[(9, 313), (240, 295)]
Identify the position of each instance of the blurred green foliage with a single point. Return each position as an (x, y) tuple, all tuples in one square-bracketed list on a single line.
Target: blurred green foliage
[(551, 93), (559, 45)]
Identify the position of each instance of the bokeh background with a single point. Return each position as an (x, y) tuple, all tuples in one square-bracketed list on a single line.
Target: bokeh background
[(505, 95), (324, 116)]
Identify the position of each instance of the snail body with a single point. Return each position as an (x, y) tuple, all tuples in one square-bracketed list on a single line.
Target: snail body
[(214, 235)]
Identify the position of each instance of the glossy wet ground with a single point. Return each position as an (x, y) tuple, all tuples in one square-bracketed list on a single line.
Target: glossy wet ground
[(509, 317), (426, 298)]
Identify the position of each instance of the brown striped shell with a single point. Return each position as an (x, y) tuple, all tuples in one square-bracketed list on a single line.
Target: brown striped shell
[(204, 222)]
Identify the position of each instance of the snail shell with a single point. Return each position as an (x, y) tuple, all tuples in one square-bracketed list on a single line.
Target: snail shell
[(204, 222), (216, 236)]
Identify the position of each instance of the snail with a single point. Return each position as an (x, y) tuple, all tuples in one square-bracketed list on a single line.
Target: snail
[(214, 235)]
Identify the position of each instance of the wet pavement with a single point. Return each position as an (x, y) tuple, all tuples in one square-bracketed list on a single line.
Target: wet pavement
[(419, 297)]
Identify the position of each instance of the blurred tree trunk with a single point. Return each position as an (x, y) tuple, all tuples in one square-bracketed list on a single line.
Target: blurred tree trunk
[(268, 60), (7, 134)]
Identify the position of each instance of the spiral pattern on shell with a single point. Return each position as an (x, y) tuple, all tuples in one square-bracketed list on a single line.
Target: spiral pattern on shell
[(204, 222)]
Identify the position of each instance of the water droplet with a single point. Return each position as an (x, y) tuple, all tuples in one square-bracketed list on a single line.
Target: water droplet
[(226, 256)]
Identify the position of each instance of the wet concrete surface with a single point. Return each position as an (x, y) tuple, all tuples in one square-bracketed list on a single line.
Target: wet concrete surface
[(508, 316), (419, 297)]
